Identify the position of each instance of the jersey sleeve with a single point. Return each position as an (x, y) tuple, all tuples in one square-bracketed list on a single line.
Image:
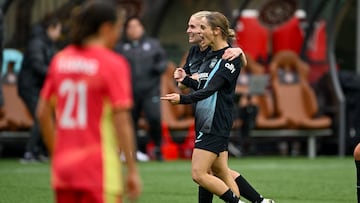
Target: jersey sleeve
[(186, 66), (229, 70), (215, 84), (119, 85)]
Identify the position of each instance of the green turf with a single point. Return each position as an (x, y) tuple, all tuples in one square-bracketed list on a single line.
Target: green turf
[(286, 180)]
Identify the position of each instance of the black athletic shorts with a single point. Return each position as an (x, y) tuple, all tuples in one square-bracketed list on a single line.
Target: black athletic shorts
[(212, 143)]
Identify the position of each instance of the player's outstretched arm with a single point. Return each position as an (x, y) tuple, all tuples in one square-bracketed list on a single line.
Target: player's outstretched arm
[(123, 125), (47, 126)]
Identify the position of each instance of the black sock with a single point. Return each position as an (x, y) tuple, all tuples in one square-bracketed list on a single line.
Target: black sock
[(204, 195), (229, 197), (247, 191), (357, 164)]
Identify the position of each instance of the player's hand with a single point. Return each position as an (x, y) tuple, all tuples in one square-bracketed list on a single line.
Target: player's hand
[(195, 76), (134, 186), (232, 53), (173, 98), (179, 74)]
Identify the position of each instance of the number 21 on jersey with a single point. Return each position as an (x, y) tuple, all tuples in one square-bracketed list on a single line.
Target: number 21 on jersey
[(74, 114)]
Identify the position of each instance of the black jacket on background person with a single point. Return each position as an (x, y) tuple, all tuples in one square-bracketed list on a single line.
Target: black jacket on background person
[(37, 57), (147, 60)]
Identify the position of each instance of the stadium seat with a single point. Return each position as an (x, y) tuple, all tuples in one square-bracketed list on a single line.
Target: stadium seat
[(265, 118), (11, 56), (249, 28), (294, 98), (16, 116), (317, 52), (288, 36), (177, 122), (175, 117)]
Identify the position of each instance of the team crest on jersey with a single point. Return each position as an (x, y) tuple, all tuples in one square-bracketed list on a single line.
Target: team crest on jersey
[(213, 63)]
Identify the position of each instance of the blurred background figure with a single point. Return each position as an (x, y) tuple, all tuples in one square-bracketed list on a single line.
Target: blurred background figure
[(38, 54), (148, 61), (91, 86)]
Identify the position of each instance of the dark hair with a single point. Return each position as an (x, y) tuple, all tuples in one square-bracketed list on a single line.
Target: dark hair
[(49, 20), (127, 21), (90, 16)]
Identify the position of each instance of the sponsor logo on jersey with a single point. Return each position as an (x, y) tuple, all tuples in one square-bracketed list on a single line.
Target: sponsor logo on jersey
[(230, 66), (203, 76)]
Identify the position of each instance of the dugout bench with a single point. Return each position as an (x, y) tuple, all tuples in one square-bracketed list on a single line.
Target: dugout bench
[(310, 134)]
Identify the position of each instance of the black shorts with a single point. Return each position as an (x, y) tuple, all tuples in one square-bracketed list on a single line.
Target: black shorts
[(212, 143)]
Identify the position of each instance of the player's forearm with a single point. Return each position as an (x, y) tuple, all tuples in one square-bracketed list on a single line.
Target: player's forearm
[(181, 86), (46, 120), (189, 82), (214, 85), (125, 133)]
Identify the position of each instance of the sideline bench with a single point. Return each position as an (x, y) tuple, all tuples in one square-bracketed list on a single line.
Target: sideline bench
[(311, 135), (13, 135), (12, 138)]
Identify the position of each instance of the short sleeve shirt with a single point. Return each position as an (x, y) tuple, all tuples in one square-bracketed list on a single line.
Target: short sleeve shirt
[(86, 84)]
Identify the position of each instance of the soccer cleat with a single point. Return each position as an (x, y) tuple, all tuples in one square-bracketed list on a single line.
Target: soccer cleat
[(28, 158), (268, 201), (142, 157), (42, 158)]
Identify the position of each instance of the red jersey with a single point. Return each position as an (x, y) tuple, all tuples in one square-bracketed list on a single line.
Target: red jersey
[(86, 83)]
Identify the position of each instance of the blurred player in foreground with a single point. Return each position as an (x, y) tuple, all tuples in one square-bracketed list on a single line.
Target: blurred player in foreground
[(88, 89)]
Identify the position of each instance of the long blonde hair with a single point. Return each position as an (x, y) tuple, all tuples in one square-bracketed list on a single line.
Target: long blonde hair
[(200, 14)]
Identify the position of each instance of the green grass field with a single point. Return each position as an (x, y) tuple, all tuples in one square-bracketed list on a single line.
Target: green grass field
[(286, 180)]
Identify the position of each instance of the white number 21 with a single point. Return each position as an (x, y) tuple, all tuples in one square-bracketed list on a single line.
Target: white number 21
[(75, 94)]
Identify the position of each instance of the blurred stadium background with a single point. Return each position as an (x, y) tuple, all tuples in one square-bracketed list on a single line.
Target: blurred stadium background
[(326, 39), (322, 35)]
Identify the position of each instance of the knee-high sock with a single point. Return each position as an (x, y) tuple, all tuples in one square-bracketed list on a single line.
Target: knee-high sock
[(247, 191), (229, 197), (204, 196)]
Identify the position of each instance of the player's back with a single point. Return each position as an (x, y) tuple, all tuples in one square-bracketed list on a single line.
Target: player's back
[(85, 83), (81, 84)]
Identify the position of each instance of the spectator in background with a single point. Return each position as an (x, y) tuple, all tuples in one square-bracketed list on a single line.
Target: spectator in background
[(148, 61), (37, 56), (92, 88)]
